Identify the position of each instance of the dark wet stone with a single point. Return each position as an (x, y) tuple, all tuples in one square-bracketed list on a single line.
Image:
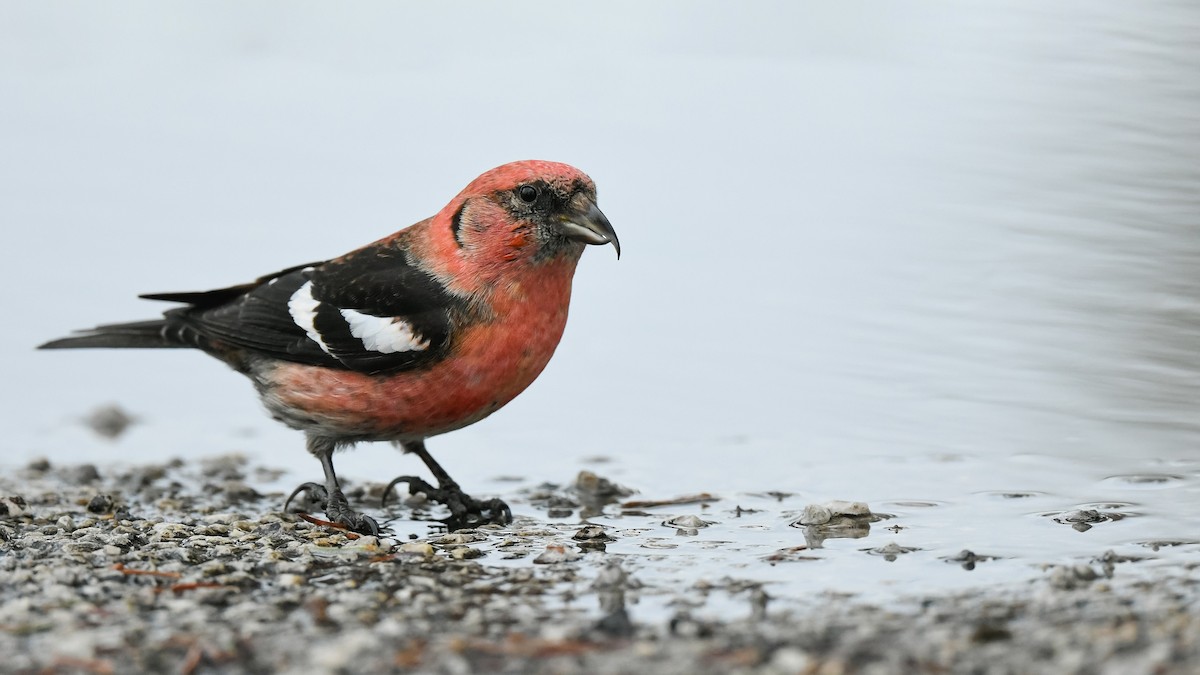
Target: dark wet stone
[(13, 505), (989, 632), (684, 625), (39, 465), (100, 504), (236, 492), (596, 489), (592, 533), (968, 559), (616, 624), (592, 538), (1081, 516), (143, 476), (82, 474)]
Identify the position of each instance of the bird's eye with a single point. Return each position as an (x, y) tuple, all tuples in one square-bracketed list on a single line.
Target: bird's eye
[(527, 193)]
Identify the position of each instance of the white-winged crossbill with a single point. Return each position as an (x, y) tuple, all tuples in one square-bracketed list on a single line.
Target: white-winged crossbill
[(422, 332)]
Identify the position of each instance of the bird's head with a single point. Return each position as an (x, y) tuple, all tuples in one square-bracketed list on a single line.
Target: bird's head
[(527, 211)]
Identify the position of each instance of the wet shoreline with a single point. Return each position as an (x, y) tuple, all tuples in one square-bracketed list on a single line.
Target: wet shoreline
[(188, 567)]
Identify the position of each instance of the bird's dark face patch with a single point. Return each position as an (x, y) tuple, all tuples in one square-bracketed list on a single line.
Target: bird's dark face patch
[(542, 206), (540, 200)]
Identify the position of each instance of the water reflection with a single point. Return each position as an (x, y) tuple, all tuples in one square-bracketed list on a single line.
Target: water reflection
[(1111, 209)]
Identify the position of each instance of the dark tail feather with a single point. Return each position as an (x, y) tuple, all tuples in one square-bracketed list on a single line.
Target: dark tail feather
[(139, 334)]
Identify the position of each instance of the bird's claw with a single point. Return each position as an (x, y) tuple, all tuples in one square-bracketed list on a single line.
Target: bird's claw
[(314, 491), (337, 509), (465, 510)]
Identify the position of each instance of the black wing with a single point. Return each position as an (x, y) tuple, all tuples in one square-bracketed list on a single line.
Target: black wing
[(372, 312), (208, 299)]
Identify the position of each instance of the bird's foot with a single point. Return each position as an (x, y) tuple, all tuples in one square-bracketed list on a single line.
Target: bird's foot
[(314, 493), (337, 509), (465, 510)]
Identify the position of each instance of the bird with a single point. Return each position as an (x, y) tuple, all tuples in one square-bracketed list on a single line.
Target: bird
[(423, 332)]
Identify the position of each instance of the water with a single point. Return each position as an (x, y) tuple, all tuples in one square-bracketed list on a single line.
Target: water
[(922, 257)]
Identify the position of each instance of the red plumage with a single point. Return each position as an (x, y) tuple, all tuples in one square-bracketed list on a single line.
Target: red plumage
[(422, 332)]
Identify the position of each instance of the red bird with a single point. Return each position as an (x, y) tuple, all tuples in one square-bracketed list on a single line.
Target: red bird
[(422, 332)]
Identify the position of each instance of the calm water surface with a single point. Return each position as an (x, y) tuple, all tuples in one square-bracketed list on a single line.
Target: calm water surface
[(940, 260)]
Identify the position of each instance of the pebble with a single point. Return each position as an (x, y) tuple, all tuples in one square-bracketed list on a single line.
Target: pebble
[(790, 660), (13, 506), (840, 507), (592, 533), (416, 548), (891, 551), (557, 553), (465, 553), (1081, 516), (596, 489), (100, 504), (38, 465), (815, 514), (1071, 577), (687, 521), (83, 474)]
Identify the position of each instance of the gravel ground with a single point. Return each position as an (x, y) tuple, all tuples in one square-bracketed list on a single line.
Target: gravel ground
[(185, 567)]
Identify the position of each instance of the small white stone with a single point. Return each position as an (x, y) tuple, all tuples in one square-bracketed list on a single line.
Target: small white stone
[(815, 514), (839, 507), (689, 521), (290, 580), (557, 553), (789, 660), (465, 553), (415, 548)]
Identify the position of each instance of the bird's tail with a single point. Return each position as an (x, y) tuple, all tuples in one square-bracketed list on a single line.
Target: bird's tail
[(158, 333)]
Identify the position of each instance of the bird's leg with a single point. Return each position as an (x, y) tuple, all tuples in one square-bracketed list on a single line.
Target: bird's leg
[(337, 509), (465, 510)]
